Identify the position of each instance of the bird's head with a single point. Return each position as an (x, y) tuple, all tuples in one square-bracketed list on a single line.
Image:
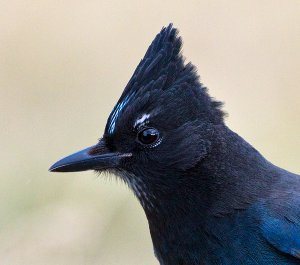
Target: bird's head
[(161, 126)]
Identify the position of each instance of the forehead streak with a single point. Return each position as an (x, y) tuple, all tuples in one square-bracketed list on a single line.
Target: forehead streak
[(116, 113)]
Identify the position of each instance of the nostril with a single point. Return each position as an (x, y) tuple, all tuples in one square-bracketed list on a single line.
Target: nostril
[(99, 148)]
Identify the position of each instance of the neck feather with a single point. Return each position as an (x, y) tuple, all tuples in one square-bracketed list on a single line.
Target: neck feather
[(202, 193)]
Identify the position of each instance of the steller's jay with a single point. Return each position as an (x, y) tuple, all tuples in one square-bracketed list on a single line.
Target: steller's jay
[(209, 196)]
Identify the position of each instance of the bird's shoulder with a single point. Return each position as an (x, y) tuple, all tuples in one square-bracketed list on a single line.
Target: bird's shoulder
[(280, 216)]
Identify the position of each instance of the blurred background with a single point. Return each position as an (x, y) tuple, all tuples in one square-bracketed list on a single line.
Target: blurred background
[(63, 65)]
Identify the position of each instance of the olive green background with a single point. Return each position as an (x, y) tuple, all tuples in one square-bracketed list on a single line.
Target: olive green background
[(63, 65)]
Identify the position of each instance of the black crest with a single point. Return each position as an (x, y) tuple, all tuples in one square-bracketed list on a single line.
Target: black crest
[(162, 68)]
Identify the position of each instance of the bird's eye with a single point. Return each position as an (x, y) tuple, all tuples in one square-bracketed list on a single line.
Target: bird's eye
[(148, 136)]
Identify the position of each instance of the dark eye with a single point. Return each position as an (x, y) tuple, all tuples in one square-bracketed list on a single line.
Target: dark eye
[(148, 136)]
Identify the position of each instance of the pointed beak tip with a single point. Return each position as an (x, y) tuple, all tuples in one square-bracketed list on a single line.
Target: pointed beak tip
[(72, 163), (52, 169), (55, 168)]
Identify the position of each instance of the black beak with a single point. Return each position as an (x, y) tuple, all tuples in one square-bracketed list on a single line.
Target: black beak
[(92, 158)]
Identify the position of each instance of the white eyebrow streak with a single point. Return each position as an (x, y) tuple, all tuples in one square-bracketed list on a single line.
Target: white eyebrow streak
[(141, 120)]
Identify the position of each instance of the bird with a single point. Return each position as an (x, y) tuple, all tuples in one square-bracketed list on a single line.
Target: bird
[(209, 196)]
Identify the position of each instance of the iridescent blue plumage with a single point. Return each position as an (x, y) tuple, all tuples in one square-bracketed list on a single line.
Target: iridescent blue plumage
[(116, 113)]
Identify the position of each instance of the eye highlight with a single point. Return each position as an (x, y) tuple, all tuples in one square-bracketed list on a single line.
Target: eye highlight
[(148, 136)]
